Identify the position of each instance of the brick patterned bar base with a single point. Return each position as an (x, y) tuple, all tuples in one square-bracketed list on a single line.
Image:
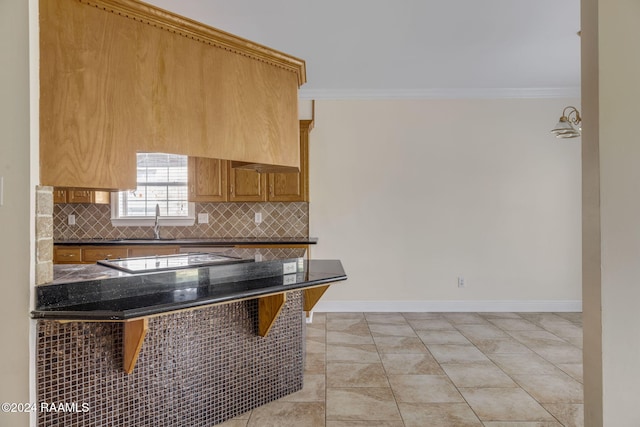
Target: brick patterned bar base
[(196, 368)]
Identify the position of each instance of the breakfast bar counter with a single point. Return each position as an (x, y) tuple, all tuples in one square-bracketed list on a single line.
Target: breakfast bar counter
[(191, 346), (122, 296)]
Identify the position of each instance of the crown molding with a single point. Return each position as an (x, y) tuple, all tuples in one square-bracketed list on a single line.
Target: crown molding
[(442, 93)]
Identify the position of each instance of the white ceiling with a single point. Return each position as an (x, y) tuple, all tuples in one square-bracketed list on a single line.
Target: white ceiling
[(412, 48)]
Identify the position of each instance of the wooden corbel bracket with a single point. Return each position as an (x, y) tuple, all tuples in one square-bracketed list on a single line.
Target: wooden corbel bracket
[(312, 296), (269, 308), (133, 333)]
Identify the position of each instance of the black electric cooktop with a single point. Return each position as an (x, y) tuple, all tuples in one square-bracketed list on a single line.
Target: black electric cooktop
[(170, 262)]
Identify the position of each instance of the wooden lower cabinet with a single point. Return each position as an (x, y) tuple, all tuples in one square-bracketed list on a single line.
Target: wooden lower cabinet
[(93, 254), (63, 254), (67, 255), (87, 254)]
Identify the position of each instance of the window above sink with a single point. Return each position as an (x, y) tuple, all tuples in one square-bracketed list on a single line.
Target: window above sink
[(161, 180)]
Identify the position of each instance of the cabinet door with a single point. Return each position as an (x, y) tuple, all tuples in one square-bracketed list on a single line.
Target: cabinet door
[(247, 186), (66, 255), (293, 187), (93, 254), (207, 180), (285, 187)]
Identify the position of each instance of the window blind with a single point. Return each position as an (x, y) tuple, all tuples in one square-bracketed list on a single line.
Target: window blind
[(162, 179)]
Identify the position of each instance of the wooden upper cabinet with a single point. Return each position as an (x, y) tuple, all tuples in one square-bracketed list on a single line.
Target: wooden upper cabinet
[(247, 186), (59, 195), (87, 196), (120, 76), (208, 180), (80, 195), (85, 114), (293, 187), (214, 180)]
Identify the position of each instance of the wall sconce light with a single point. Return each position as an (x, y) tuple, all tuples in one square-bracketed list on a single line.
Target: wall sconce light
[(564, 128)]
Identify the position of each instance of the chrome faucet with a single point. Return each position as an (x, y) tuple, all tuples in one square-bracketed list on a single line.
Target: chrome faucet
[(156, 226)]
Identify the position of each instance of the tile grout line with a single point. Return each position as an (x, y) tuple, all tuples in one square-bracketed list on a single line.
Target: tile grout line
[(455, 327), (395, 399), (513, 379), (445, 372)]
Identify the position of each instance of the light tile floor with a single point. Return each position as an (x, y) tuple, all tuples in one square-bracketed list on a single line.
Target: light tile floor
[(435, 369)]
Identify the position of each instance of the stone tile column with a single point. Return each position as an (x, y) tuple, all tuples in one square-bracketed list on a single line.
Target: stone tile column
[(44, 234)]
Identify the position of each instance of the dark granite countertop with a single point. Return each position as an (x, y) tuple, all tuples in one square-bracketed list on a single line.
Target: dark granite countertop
[(92, 292), (68, 273), (216, 241)]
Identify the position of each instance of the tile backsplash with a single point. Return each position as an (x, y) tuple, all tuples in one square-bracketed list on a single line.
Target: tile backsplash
[(225, 220)]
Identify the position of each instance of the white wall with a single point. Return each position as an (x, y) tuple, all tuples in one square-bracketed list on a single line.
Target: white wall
[(15, 213), (411, 194), (612, 289)]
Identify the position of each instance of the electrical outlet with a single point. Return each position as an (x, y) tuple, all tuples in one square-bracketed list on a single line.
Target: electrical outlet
[(71, 219), (289, 267), (289, 279), (460, 282), (257, 218), (203, 218)]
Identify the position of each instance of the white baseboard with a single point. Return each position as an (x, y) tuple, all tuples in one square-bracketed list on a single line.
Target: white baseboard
[(450, 306)]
